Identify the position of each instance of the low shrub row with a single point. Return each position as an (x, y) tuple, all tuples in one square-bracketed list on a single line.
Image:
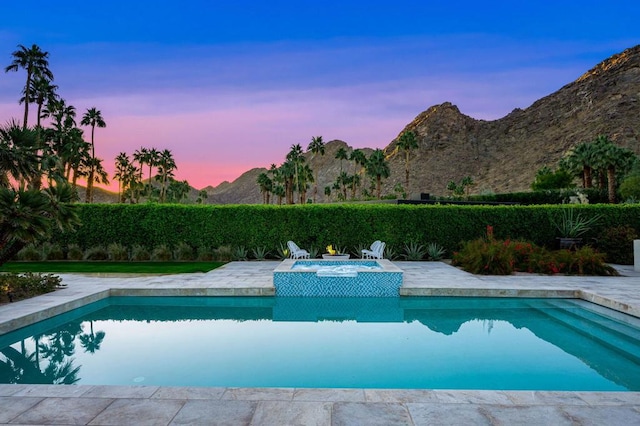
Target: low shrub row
[(490, 256), (14, 287)]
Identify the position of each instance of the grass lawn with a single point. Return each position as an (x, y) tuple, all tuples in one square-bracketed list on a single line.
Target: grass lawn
[(111, 267)]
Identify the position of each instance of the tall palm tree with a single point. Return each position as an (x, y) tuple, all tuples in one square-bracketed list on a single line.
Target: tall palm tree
[(266, 185), (93, 118), (316, 146), (359, 159), (407, 143), (615, 160), (166, 167), (95, 174), (121, 168), (42, 92), (35, 62), (341, 154), (296, 159), (378, 168)]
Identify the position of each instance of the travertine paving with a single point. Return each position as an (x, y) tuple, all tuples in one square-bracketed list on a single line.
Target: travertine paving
[(141, 405)]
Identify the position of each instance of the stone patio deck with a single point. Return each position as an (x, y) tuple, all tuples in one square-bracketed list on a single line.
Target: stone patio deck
[(141, 405)]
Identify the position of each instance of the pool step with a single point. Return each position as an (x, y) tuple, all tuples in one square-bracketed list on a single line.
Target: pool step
[(611, 334)]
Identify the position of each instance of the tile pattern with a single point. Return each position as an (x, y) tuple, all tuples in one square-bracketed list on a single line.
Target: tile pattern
[(365, 284)]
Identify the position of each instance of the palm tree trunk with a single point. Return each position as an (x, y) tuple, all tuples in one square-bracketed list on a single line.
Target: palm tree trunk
[(611, 177), (26, 98), (378, 185)]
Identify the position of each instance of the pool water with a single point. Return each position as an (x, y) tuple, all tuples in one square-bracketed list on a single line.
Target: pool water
[(428, 343)]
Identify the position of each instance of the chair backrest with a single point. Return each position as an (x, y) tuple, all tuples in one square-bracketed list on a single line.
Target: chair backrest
[(292, 247), (380, 250), (375, 245)]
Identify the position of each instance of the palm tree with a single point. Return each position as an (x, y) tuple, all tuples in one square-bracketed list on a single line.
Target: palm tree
[(266, 185), (341, 154), (316, 146), (166, 166), (359, 159), (378, 168), (31, 215), (122, 165), (614, 160), (18, 158), (296, 159), (95, 173), (580, 161), (35, 62), (42, 91), (93, 118), (407, 142)]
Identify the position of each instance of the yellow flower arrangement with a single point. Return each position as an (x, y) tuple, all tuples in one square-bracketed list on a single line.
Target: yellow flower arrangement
[(331, 250)]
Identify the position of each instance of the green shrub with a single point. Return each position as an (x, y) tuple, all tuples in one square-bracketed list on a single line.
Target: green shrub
[(96, 253), (30, 253), (223, 254), (52, 252), (488, 256), (318, 225), (117, 252), (14, 287), (161, 253), (140, 253), (617, 244), (183, 251), (260, 253), (74, 252), (205, 254)]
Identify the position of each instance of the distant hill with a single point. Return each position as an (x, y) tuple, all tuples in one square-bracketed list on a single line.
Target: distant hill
[(500, 155)]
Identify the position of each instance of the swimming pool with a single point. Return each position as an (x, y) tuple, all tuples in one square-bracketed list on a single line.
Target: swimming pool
[(432, 343)]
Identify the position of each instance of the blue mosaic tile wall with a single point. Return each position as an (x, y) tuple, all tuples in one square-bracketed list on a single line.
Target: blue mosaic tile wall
[(366, 284)]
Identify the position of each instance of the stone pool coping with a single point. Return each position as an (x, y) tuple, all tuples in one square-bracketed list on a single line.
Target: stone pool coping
[(51, 404)]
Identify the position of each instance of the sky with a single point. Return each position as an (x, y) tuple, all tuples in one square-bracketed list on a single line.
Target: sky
[(228, 86)]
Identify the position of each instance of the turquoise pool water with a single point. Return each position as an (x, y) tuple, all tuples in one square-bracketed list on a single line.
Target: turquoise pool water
[(432, 343)]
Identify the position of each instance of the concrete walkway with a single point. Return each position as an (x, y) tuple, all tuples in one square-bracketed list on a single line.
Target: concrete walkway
[(141, 405)]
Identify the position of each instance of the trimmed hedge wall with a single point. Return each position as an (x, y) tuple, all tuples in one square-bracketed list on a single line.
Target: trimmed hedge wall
[(347, 225)]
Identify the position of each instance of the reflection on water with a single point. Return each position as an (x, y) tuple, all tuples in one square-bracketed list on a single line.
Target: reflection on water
[(441, 343)]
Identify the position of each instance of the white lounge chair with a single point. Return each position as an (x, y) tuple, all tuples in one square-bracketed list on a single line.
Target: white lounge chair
[(296, 252), (376, 251)]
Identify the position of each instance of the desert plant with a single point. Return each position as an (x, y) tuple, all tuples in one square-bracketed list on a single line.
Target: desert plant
[(314, 252), (435, 251), (390, 252), (617, 244), (240, 253), (260, 253), (223, 254), (30, 253), (74, 252), (96, 253), (183, 251), (282, 251), (140, 253), (414, 251), (572, 225), (117, 252), (205, 253), (161, 253)]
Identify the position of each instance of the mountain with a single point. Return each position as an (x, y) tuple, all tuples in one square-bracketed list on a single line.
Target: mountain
[(501, 155)]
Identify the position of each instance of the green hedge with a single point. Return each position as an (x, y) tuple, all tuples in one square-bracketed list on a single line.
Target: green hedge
[(548, 196), (347, 225)]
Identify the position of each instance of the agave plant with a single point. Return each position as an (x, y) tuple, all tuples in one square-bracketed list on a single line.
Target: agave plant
[(260, 253), (572, 225), (435, 251), (414, 251), (240, 253)]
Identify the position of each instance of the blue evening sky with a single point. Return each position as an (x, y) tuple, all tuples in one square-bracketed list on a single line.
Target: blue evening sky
[(228, 86)]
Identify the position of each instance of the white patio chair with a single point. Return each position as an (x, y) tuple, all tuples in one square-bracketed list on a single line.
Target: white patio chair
[(376, 251), (296, 252)]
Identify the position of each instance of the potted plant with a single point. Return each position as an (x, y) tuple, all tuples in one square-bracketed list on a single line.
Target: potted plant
[(572, 227)]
